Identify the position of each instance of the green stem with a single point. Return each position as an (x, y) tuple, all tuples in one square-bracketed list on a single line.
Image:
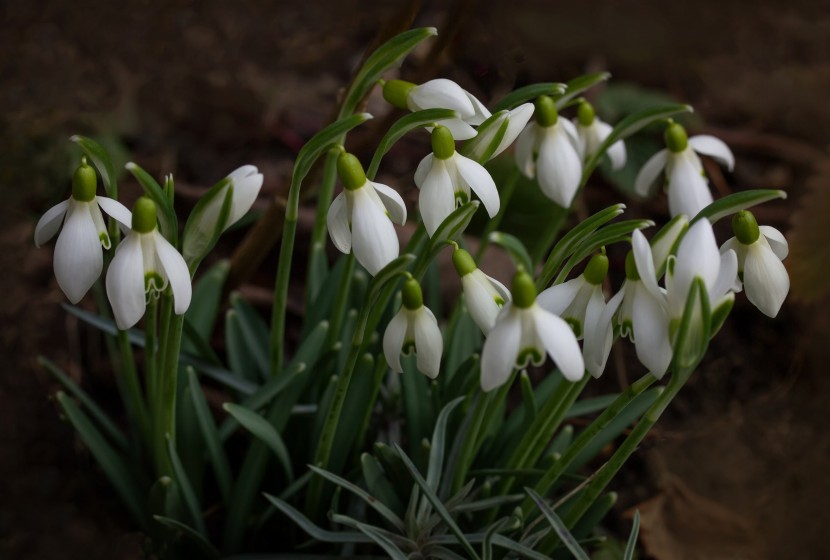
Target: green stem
[(136, 405), (168, 376), (289, 232), (341, 302), (469, 447), (164, 327), (318, 232), (506, 194)]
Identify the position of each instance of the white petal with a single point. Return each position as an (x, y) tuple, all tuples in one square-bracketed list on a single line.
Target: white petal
[(49, 224), (374, 241), (246, 186), (688, 191), (423, 169), (125, 282), (100, 225), (570, 133), (116, 210), (648, 174), (501, 349), (713, 147), (392, 201), (516, 121), (665, 240), (78, 257), (727, 277), (437, 200), (429, 344), (501, 289), (459, 129), (481, 112), (480, 181), (558, 167), (645, 263), (777, 241), (558, 297), (559, 341), (697, 257), (599, 335), (441, 94), (765, 278), (616, 151), (176, 271), (651, 333), (479, 294), (526, 146), (337, 222), (393, 339)]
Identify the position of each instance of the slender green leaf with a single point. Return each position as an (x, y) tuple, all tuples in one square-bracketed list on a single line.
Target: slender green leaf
[(218, 458), (260, 427), (631, 546), (589, 406), (194, 536), (168, 222), (736, 202), (593, 516), (453, 226), (383, 541), (438, 444), (693, 334), (476, 149), (580, 84), (339, 537), (528, 93), (378, 484), (102, 161), (204, 306), (515, 248), (196, 241), (188, 493), (388, 273), (564, 535)]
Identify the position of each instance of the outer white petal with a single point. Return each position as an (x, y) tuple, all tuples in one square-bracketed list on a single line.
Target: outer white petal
[(649, 173), (100, 225), (570, 133), (49, 224), (459, 129), (116, 210), (727, 277), (392, 201), (713, 147), (526, 146), (645, 263), (559, 341), (765, 278), (481, 303), (480, 181), (125, 282), (558, 297), (393, 339), (688, 191), (176, 271), (501, 349), (429, 344), (423, 169), (777, 241), (441, 94), (481, 112), (247, 183), (337, 221), (559, 167), (616, 152), (697, 256), (437, 200), (501, 289), (599, 332), (374, 241), (661, 246), (516, 121), (651, 333), (78, 257)]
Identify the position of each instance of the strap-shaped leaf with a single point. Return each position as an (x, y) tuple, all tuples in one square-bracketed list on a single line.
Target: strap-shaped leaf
[(383, 541), (736, 202), (529, 93), (313, 530), (218, 458), (260, 427), (207, 293), (194, 536), (631, 546), (558, 526), (515, 248), (189, 495), (378, 484), (387, 274), (438, 444), (589, 406), (102, 161), (167, 216), (580, 84), (474, 149)]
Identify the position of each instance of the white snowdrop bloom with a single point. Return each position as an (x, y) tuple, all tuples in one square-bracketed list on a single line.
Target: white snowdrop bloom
[(592, 132), (760, 251), (524, 333), (483, 295), (548, 150), (144, 265), (686, 183), (244, 184), (79, 258), (414, 329), (360, 218), (498, 132), (439, 94), (447, 179)]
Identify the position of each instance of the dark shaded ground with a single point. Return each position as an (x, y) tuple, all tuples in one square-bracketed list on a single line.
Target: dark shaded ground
[(736, 470)]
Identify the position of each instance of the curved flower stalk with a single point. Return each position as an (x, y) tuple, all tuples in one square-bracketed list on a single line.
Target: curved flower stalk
[(360, 218), (592, 132), (439, 94), (760, 250), (484, 295), (79, 258), (144, 265), (497, 133), (686, 184), (414, 329), (581, 303), (524, 333), (446, 179), (548, 150)]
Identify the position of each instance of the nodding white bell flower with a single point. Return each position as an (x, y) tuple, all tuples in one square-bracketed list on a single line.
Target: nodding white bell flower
[(760, 250), (498, 132), (244, 184), (686, 183), (581, 302), (591, 132), (79, 257), (439, 94), (414, 329), (524, 333), (548, 150), (446, 179), (144, 265), (484, 295), (360, 218)]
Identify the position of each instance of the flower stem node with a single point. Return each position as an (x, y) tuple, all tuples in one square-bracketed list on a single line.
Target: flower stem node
[(546, 113), (145, 217), (523, 290), (411, 295), (463, 262), (396, 92), (585, 114), (596, 270), (745, 227), (84, 182), (443, 144), (676, 138), (350, 171)]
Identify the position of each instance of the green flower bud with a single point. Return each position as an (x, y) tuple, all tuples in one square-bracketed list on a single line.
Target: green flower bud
[(463, 261), (596, 270), (546, 113), (144, 215), (84, 182), (585, 114), (631, 272), (396, 92), (523, 289), (350, 171), (676, 138), (411, 294), (745, 227), (443, 144)]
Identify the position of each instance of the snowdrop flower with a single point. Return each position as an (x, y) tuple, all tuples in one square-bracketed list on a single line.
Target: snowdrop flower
[(414, 329), (686, 184), (498, 132), (484, 295), (439, 94), (760, 251), (524, 332), (144, 265), (79, 258), (360, 218), (591, 132), (200, 233), (581, 303), (548, 148), (446, 178)]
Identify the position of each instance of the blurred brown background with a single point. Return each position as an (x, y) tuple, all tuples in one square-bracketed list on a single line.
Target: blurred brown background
[(738, 469)]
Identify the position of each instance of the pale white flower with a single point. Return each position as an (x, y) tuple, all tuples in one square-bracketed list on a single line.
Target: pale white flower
[(592, 132), (414, 328), (446, 94), (484, 295), (498, 132), (144, 265), (79, 258)]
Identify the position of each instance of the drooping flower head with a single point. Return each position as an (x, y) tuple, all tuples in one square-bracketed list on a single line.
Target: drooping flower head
[(79, 258), (144, 266), (483, 295), (592, 132), (360, 218), (414, 329)]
